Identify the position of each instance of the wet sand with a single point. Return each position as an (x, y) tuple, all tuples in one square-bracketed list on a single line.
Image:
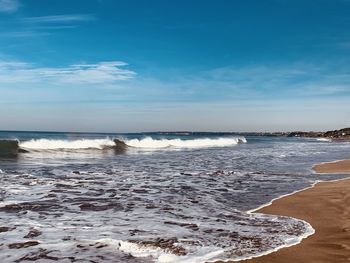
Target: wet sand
[(327, 208), (334, 167)]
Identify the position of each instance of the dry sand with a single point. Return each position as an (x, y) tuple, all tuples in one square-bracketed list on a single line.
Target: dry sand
[(327, 208)]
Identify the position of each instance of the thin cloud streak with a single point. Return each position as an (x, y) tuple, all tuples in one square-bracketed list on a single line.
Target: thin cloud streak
[(60, 18), (12, 72), (24, 34)]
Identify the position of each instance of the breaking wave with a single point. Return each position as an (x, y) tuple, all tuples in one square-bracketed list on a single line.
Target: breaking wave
[(149, 142), (12, 147), (45, 144)]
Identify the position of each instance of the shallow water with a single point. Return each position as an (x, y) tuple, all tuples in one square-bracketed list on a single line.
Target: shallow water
[(167, 199)]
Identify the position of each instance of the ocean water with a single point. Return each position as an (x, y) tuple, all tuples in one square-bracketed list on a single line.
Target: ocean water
[(183, 197)]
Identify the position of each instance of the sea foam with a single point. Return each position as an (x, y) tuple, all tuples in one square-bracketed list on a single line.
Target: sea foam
[(160, 256)]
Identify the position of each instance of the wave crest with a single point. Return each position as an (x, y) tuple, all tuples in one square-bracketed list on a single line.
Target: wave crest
[(324, 140), (46, 144), (149, 142)]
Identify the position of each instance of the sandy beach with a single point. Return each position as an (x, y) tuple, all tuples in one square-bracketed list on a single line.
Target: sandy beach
[(333, 167), (327, 208)]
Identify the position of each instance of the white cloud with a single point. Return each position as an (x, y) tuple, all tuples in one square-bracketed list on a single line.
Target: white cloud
[(12, 72), (9, 6), (60, 18)]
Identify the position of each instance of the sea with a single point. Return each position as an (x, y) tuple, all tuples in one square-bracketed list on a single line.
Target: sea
[(152, 197)]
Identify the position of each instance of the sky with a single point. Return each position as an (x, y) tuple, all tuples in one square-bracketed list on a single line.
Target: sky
[(161, 65)]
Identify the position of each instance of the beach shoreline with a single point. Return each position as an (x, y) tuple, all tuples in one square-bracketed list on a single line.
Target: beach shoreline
[(326, 206)]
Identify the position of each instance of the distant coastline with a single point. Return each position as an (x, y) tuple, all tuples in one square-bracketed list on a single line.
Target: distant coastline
[(334, 135)]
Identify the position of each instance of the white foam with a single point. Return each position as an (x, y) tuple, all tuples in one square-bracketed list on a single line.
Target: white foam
[(45, 144), (203, 254), (324, 140), (160, 256), (151, 143)]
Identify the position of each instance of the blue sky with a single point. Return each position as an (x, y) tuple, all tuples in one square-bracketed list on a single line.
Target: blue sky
[(122, 66)]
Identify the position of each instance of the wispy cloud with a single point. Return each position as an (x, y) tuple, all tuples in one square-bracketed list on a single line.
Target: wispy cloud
[(39, 26), (294, 79), (9, 6), (14, 72), (66, 18), (229, 84)]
